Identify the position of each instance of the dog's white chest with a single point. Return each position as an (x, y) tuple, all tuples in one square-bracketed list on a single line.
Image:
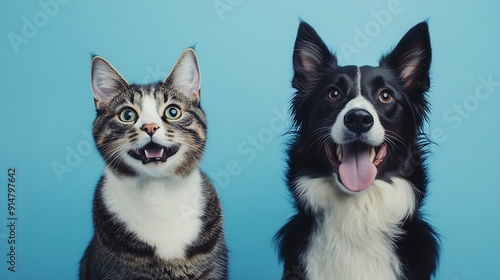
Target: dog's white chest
[(353, 240), (165, 214)]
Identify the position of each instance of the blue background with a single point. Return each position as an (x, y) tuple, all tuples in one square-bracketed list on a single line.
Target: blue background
[(245, 52)]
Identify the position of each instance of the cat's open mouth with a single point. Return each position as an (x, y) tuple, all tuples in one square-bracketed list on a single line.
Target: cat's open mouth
[(153, 152)]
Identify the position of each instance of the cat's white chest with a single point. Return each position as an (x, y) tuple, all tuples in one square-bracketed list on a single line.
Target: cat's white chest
[(165, 214)]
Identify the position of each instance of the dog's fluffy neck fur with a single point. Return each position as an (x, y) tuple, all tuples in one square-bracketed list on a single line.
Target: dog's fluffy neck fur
[(354, 233)]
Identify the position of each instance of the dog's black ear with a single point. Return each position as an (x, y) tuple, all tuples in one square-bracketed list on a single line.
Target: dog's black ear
[(412, 58), (309, 56)]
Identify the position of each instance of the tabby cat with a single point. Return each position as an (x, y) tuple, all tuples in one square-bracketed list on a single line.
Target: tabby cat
[(155, 213)]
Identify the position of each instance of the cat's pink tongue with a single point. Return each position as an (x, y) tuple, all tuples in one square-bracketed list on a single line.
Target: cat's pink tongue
[(153, 152), (356, 171)]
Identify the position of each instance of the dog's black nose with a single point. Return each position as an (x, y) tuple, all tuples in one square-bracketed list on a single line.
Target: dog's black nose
[(358, 120)]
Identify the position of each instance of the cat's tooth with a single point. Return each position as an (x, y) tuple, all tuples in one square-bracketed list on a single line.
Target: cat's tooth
[(339, 153), (372, 154), (146, 153)]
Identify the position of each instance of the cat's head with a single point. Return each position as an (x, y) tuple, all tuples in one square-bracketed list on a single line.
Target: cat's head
[(152, 130)]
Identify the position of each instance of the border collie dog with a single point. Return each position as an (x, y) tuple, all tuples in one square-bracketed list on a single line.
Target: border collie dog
[(356, 166)]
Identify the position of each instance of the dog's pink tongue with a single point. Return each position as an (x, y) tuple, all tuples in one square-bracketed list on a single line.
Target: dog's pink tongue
[(356, 171)]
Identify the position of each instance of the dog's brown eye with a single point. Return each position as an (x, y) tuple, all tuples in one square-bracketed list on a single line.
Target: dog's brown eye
[(385, 96), (334, 95)]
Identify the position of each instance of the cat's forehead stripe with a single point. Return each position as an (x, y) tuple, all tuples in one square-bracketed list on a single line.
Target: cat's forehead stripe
[(132, 98)]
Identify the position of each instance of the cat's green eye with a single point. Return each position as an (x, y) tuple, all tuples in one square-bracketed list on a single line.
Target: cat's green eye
[(173, 112), (128, 115)]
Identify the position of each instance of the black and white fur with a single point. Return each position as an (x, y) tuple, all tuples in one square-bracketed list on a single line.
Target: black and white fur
[(359, 220)]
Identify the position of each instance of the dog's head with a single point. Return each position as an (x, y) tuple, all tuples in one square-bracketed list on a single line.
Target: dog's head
[(360, 122)]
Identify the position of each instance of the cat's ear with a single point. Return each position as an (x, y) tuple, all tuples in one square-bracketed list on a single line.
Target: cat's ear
[(185, 76), (411, 58), (106, 82), (310, 55)]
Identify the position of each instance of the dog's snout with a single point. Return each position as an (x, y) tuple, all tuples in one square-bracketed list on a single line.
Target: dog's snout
[(358, 120)]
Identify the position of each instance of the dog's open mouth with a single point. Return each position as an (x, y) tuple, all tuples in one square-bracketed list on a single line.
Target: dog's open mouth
[(356, 163), (153, 152)]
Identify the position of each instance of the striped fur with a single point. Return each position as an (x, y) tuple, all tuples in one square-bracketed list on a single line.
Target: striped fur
[(155, 217)]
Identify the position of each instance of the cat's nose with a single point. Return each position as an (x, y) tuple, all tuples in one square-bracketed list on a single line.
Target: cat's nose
[(150, 128)]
